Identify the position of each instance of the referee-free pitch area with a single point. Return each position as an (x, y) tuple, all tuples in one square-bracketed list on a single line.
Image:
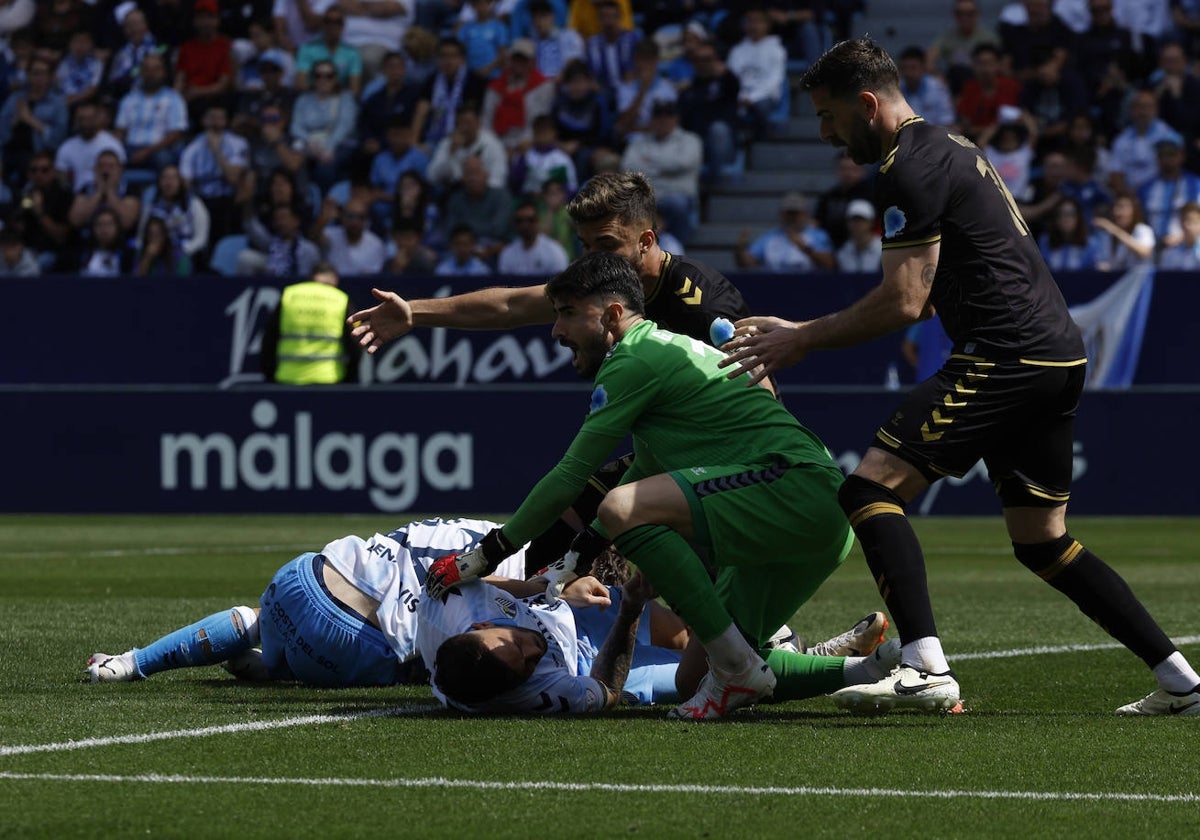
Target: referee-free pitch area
[(193, 753)]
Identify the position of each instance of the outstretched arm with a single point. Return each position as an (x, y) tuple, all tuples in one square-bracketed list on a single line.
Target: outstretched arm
[(900, 300), (485, 309)]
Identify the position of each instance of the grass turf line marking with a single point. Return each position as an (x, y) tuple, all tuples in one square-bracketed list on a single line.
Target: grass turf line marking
[(156, 551), (606, 787), (252, 726), (1042, 650)]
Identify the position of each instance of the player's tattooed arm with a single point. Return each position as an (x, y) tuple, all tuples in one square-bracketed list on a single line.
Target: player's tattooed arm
[(611, 666)]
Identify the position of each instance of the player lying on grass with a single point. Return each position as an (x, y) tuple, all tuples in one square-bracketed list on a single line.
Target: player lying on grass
[(719, 471), (348, 616)]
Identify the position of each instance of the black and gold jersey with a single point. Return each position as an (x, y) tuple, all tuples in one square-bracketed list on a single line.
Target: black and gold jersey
[(688, 296), (993, 291)]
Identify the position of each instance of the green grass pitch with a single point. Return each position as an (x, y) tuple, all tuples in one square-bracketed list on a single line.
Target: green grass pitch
[(192, 753)]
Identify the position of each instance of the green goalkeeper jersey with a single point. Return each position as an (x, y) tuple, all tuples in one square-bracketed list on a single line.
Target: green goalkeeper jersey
[(667, 391)]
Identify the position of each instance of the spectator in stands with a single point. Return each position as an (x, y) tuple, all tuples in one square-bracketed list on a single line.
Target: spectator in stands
[(1178, 89), (862, 252), (393, 102), (1052, 96), (1009, 145), (555, 220), (15, 259), (375, 28), (587, 17), (1083, 135), (297, 22), (1134, 160), (516, 97), (449, 89), (81, 71), (126, 65), (323, 126), (158, 254), (251, 56), (271, 92), (800, 25), (184, 214), (1149, 21), (583, 117), (681, 69), (1040, 38), (76, 157), (610, 50), (401, 155), (280, 251), (169, 20), (797, 245), (414, 206), (484, 39), (469, 139), (759, 61), (462, 260), (204, 65), (671, 159), (32, 120), (1164, 195), (1046, 194), (554, 47), (419, 46), (988, 89), (1184, 254), (152, 118), (487, 210), (55, 22), (542, 161), (272, 148), (21, 51), (213, 166), (43, 218), (1067, 244), (107, 253), (1124, 240), (329, 48), (1103, 44), (349, 245), (708, 107), (106, 192), (928, 95), (1185, 16), (531, 253), (951, 56), (306, 340), (851, 184), (1082, 185), (637, 97), (409, 255)]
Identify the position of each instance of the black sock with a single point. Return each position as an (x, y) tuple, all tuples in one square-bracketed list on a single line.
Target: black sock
[(1100, 593)]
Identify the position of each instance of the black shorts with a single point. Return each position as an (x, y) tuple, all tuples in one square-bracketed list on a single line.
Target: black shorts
[(1018, 417)]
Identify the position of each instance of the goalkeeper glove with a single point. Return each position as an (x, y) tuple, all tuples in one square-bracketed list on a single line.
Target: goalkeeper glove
[(450, 571)]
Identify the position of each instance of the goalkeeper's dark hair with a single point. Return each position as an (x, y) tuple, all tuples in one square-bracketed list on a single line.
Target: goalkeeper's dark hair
[(850, 67), (601, 275), (468, 673)]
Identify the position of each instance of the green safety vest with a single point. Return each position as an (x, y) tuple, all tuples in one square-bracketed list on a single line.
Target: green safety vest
[(311, 323)]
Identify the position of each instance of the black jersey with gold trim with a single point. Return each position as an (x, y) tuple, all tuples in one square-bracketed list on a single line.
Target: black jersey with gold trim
[(688, 296), (993, 291)]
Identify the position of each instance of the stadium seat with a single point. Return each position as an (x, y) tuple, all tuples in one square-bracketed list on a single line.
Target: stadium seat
[(225, 254)]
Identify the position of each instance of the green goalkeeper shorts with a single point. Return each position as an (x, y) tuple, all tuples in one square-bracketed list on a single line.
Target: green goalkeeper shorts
[(771, 533)]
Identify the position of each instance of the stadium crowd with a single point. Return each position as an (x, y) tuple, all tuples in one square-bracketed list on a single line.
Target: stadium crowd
[(170, 137)]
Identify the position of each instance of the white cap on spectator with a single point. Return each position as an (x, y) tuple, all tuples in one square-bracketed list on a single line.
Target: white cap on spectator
[(860, 208)]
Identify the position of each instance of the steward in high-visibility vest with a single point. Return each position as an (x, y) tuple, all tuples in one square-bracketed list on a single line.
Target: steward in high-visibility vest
[(307, 341)]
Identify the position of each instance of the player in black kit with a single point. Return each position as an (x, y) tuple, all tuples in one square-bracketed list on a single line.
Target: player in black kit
[(612, 212), (956, 244)]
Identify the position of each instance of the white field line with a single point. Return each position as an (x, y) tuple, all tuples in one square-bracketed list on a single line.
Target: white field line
[(1042, 650), (151, 551), (607, 787), (249, 726)]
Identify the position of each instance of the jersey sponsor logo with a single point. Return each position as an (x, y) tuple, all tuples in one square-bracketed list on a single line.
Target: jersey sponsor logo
[(894, 221), (390, 468), (599, 399)]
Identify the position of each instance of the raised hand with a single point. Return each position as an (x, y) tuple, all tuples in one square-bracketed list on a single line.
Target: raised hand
[(391, 318)]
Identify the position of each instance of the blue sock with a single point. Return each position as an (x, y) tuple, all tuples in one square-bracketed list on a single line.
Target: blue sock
[(210, 640)]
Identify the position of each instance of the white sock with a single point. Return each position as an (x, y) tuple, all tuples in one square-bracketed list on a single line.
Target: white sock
[(862, 669), (925, 654), (730, 652), (1174, 674)]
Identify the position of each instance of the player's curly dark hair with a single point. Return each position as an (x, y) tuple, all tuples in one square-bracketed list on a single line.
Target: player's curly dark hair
[(850, 67), (468, 673), (599, 274)]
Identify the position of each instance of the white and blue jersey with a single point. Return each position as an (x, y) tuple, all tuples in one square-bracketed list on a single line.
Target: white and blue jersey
[(560, 683)]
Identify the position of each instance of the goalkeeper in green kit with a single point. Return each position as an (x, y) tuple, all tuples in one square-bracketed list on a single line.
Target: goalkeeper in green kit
[(729, 509)]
